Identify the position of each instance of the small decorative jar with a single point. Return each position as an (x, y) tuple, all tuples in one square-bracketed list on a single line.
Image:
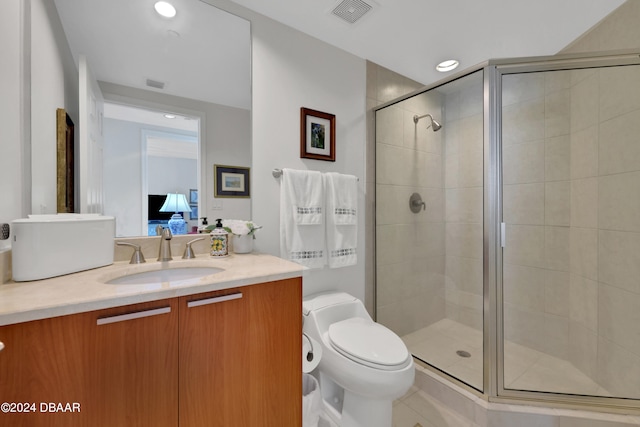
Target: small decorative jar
[(219, 240)]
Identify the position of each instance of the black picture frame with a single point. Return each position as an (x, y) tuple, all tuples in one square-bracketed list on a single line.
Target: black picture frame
[(231, 181)]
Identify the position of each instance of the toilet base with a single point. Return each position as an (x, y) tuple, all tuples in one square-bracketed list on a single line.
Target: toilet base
[(358, 411)]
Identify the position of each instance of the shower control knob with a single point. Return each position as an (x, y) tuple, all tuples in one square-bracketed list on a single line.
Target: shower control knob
[(416, 204)]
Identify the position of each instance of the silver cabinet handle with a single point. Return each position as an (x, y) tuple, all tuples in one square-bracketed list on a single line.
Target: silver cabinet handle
[(134, 315), (214, 300), (1, 345)]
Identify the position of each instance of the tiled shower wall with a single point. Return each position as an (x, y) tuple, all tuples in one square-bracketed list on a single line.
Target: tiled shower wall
[(571, 152), (410, 247), (463, 150)]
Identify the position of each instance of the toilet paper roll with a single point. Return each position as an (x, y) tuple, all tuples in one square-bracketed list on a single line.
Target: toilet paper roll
[(311, 353)]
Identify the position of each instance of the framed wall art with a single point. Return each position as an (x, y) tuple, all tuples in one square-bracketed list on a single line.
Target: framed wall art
[(231, 181), (65, 162), (317, 135)]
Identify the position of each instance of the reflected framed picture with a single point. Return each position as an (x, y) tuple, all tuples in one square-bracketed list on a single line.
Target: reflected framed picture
[(65, 162), (317, 135), (193, 196), (231, 181)]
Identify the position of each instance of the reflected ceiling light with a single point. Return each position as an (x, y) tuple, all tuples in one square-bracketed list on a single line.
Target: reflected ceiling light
[(448, 65), (169, 116), (165, 9)]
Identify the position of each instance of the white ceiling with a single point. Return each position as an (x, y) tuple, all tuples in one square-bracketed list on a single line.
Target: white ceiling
[(412, 36), (203, 53)]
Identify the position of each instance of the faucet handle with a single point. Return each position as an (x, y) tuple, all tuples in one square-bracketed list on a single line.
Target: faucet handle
[(188, 252), (137, 257), (166, 234)]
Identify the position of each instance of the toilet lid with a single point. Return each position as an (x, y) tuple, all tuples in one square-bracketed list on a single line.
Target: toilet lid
[(368, 343)]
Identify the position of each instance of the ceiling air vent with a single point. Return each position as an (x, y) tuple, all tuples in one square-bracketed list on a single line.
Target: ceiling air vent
[(155, 83), (351, 10)]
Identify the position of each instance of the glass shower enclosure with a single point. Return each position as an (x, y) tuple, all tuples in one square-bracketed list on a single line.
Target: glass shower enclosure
[(508, 227)]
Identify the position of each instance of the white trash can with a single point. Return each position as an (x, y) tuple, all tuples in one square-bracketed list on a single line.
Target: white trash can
[(311, 401)]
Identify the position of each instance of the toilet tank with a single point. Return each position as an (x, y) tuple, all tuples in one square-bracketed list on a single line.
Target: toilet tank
[(45, 246), (331, 307)]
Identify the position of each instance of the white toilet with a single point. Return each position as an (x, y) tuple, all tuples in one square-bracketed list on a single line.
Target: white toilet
[(364, 366)]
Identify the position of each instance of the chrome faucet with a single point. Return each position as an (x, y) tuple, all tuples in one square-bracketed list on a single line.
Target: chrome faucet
[(164, 252)]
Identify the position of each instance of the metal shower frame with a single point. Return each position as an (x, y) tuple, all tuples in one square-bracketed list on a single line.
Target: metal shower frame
[(493, 335)]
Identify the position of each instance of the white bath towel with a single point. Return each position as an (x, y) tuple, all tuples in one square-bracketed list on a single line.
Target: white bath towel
[(342, 219), (302, 229)]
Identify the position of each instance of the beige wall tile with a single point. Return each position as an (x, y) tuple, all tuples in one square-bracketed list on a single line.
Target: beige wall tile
[(524, 204), (523, 122), (464, 205), (584, 203), (557, 248), (523, 163), (557, 204), (522, 326), (451, 174), (584, 252), (556, 293), (470, 133), (464, 240), (583, 295), (426, 169), (584, 103), (619, 148), (394, 243), (584, 153), (389, 129), (524, 287), (517, 88), (391, 165), (471, 275), (525, 245), (557, 80), (621, 92), (583, 348), (557, 158), (618, 369), (557, 118), (428, 239), (619, 317), (618, 202), (470, 168), (556, 336), (619, 259), (392, 205)]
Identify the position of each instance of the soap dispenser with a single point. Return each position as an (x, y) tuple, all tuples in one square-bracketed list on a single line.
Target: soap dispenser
[(219, 240), (203, 228)]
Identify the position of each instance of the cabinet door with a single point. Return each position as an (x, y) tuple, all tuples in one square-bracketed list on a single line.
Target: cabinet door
[(42, 363), (132, 365), (214, 360), (275, 343), (121, 372)]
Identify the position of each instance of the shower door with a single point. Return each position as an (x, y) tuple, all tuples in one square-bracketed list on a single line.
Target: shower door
[(429, 259), (570, 148)]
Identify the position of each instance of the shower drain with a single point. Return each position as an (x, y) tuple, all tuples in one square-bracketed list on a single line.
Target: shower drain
[(463, 353)]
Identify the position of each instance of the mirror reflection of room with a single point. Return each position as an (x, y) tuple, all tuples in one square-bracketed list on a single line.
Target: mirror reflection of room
[(117, 56)]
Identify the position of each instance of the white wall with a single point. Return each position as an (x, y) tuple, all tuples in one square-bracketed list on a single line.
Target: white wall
[(11, 102), (292, 70)]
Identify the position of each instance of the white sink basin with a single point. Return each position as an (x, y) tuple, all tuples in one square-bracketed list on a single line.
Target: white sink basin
[(182, 275)]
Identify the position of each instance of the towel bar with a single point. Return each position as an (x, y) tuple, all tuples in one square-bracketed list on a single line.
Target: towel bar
[(277, 173)]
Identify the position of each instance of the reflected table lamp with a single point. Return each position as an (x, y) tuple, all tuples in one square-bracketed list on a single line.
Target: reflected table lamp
[(176, 203)]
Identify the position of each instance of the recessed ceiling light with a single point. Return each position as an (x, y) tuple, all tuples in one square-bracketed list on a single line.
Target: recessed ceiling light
[(448, 65), (165, 9), (169, 116)]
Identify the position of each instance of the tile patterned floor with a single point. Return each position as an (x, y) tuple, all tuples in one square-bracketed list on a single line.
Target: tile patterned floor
[(417, 409)]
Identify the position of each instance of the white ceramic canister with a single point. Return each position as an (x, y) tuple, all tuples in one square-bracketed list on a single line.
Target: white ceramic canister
[(242, 244)]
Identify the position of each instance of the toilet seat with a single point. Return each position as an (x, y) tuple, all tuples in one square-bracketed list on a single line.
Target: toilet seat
[(368, 343)]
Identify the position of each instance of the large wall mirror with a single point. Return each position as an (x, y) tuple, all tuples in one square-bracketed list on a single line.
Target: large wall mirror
[(161, 100)]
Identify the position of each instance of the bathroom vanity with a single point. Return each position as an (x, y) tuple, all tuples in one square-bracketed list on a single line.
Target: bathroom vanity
[(223, 351)]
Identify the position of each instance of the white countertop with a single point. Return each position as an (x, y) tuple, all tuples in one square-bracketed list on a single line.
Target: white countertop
[(87, 290)]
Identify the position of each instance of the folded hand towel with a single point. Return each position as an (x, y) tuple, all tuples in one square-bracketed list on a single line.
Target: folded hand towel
[(302, 236), (342, 219)]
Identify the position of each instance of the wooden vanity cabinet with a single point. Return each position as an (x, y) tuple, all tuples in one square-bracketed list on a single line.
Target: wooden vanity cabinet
[(227, 358), (112, 367), (240, 362)]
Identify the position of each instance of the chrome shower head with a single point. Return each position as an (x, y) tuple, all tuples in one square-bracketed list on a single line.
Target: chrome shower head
[(434, 124)]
